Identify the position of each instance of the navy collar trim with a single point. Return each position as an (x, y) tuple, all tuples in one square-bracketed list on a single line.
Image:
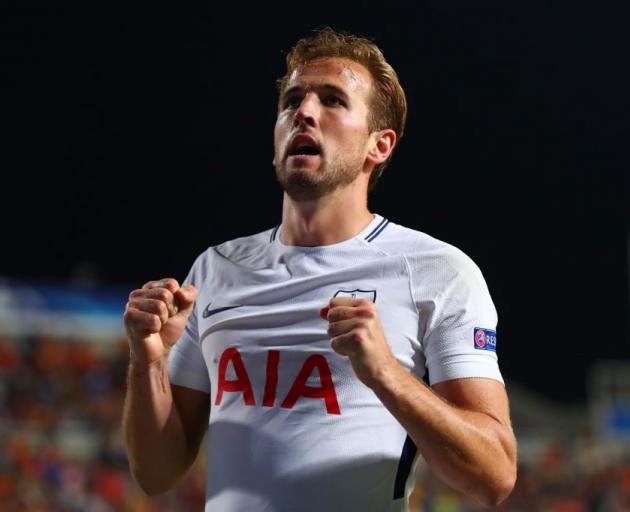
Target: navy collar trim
[(273, 233), (377, 230), (370, 236)]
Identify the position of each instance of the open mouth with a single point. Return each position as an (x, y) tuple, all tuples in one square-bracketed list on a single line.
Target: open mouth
[(303, 145), (304, 149)]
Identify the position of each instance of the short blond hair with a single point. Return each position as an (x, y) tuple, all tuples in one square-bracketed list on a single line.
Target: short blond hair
[(388, 104)]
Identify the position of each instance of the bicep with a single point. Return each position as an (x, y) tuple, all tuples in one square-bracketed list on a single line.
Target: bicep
[(193, 408)]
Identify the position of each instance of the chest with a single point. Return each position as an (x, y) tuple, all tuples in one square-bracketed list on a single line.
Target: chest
[(265, 343)]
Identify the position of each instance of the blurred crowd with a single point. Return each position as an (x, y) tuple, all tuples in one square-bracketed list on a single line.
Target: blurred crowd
[(61, 447)]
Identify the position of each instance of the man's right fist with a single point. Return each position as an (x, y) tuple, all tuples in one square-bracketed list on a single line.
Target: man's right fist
[(155, 318)]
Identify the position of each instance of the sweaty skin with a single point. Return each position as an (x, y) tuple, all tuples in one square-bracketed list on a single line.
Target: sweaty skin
[(325, 101)]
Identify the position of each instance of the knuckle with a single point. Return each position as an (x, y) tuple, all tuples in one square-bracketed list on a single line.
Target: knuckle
[(161, 294), (366, 311), (356, 337), (170, 283), (156, 323), (362, 324), (140, 304), (160, 308), (137, 318)]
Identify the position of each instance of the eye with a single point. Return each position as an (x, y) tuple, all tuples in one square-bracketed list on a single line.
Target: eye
[(332, 100), (292, 101)]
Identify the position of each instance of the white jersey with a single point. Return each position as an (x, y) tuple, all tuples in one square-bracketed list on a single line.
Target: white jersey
[(291, 427)]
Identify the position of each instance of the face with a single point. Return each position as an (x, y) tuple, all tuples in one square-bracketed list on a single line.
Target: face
[(321, 135)]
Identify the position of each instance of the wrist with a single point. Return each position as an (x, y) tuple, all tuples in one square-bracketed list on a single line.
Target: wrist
[(147, 362), (387, 377)]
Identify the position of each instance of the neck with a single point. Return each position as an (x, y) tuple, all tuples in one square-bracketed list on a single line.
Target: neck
[(324, 221)]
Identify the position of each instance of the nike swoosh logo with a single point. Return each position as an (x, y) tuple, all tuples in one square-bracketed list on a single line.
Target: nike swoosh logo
[(209, 312)]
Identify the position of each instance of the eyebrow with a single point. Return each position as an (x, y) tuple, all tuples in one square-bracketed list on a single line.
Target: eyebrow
[(323, 87)]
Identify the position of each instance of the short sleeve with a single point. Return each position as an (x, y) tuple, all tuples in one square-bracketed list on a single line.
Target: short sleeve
[(454, 297), (186, 364)]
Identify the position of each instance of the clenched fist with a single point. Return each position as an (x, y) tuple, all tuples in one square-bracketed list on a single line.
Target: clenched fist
[(355, 331), (155, 318)]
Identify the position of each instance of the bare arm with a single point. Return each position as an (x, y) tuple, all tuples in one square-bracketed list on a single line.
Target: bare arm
[(466, 438), (163, 424), (465, 434)]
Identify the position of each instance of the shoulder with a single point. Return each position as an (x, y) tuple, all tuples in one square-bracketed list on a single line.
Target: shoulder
[(397, 239), (415, 244), (239, 251), (243, 248), (428, 256)]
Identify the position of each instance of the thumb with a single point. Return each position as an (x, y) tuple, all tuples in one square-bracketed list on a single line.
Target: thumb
[(185, 299)]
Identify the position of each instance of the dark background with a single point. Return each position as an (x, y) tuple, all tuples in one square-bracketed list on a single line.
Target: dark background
[(135, 136)]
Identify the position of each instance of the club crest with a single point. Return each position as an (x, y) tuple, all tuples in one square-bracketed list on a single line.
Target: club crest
[(357, 294)]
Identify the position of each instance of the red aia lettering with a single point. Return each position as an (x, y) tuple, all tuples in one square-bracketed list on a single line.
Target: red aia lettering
[(271, 382), (299, 388), (325, 391), (241, 383)]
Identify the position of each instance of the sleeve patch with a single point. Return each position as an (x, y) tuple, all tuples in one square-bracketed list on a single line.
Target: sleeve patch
[(485, 339)]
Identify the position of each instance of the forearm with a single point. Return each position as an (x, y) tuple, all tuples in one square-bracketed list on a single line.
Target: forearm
[(156, 443), (471, 451)]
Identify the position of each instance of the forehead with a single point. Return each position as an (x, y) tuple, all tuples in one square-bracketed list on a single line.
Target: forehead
[(344, 73)]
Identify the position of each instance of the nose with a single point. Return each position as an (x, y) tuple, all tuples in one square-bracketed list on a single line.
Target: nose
[(307, 112)]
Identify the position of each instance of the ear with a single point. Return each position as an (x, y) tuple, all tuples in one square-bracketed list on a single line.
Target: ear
[(382, 144)]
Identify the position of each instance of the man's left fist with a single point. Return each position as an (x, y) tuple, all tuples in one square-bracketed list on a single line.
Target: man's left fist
[(355, 331)]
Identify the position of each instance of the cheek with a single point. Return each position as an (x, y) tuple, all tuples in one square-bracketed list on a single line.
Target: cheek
[(353, 122), (277, 136), (353, 134), (281, 128)]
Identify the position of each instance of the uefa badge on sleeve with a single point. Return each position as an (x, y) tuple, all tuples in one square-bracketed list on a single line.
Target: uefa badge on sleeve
[(485, 339)]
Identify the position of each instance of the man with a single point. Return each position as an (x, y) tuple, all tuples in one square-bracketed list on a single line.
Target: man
[(302, 349)]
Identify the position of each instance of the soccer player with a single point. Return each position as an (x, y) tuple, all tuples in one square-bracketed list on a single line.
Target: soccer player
[(302, 350)]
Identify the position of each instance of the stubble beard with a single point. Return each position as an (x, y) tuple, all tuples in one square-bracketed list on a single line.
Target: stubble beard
[(308, 184)]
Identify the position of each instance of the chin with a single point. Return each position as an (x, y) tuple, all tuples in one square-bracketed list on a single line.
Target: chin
[(307, 184), (301, 190)]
